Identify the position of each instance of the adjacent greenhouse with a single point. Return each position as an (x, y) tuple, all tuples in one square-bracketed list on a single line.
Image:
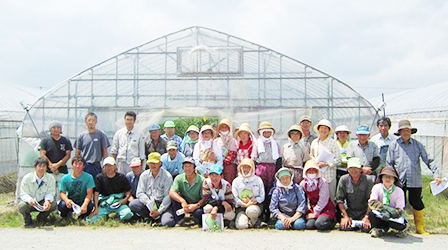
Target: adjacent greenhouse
[(427, 110), (195, 72)]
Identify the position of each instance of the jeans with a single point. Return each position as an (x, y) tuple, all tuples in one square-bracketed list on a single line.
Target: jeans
[(298, 224)]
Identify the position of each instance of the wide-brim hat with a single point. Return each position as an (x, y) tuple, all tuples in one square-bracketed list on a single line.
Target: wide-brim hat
[(323, 122), (295, 127), (243, 127), (192, 128), (405, 124), (208, 127), (266, 125), (388, 170), (311, 164), (248, 162), (224, 122), (342, 128)]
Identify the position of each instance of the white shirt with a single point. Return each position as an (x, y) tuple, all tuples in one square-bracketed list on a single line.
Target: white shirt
[(128, 144)]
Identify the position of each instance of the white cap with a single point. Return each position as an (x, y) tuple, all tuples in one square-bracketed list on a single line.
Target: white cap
[(109, 160)]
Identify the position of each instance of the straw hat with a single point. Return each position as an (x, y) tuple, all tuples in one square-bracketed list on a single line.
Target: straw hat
[(311, 164), (192, 128), (405, 124), (248, 162), (388, 170), (243, 127), (266, 125), (295, 128), (208, 127), (224, 122), (323, 122)]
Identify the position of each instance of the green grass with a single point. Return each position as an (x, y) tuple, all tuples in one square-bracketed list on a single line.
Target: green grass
[(436, 210)]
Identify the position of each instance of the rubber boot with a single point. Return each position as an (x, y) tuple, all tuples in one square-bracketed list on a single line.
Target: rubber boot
[(419, 222)]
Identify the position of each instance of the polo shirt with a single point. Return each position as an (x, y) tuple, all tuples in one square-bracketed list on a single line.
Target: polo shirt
[(193, 193)]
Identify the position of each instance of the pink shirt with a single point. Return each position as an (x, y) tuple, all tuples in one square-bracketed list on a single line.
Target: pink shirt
[(397, 199)]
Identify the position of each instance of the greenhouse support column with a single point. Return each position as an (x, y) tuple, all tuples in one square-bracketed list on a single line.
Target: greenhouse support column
[(305, 97), (116, 83), (281, 81), (166, 63)]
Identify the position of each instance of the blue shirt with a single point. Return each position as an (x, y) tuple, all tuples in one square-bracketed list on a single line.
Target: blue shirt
[(175, 138), (133, 181), (173, 166), (405, 157), (288, 202)]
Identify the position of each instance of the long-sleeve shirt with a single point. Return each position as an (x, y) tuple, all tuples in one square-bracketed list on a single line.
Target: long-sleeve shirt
[(174, 166), (365, 154), (221, 193), (39, 189), (175, 138), (128, 144), (203, 167), (317, 146), (383, 145), (397, 198), (266, 156), (324, 194), (294, 154), (405, 157), (288, 201), (253, 184), (354, 195), (157, 188)]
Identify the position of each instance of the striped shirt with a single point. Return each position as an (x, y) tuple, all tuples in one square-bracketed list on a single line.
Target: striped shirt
[(317, 146), (221, 193)]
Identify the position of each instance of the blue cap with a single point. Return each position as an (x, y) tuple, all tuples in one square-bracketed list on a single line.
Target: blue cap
[(363, 130), (217, 169), (154, 127)]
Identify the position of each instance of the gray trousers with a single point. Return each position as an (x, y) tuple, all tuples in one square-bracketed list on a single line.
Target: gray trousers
[(140, 209)]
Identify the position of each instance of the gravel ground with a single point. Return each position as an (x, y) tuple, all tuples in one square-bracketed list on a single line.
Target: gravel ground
[(67, 238)]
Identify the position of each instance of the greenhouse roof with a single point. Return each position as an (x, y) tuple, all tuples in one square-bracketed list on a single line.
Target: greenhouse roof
[(10, 98), (199, 72)]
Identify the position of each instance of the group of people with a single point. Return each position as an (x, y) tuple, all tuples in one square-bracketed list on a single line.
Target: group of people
[(311, 182)]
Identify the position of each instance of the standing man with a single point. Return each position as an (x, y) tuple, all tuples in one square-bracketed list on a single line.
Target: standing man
[(76, 189), (169, 128), (56, 149), (153, 200), (352, 195), (383, 139), (365, 150), (404, 154), (128, 143), (305, 124), (92, 145), (154, 142)]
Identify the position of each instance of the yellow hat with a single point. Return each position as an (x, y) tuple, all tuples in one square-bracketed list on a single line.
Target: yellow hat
[(266, 125), (311, 164), (243, 127), (154, 157), (208, 127), (224, 122), (248, 162)]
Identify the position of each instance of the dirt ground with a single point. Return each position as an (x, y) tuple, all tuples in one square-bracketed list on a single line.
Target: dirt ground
[(79, 238)]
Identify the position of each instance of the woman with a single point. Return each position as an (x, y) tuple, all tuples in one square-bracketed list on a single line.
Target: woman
[(248, 194), (288, 202), (325, 144), (321, 213), (229, 147), (387, 202), (189, 141), (342, 139), (245, 141), (206, 151), (294, 153)]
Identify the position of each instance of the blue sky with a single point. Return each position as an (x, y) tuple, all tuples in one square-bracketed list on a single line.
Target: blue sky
[(374, 46)]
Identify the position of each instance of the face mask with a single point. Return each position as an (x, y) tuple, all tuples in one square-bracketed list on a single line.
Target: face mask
[(224, 133), (311, 176), (246, 175)]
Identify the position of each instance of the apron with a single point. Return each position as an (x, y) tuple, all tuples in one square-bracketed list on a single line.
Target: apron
[(313, 197)]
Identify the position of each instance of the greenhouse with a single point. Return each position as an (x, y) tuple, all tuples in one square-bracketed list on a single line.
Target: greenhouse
[(11, 116), (427, 110), (195, 72)]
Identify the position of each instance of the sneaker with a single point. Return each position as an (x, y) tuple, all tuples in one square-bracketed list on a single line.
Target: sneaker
[(376, 232)]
